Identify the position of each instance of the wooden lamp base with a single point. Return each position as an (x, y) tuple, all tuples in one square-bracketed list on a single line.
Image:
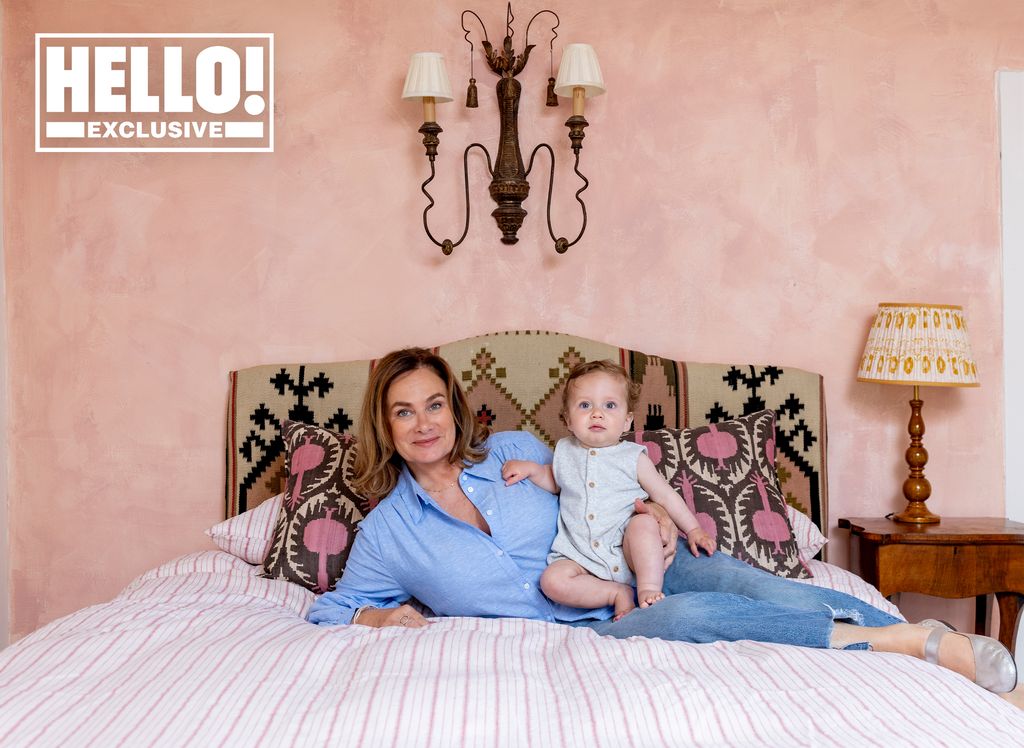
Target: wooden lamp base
[(916, 487)]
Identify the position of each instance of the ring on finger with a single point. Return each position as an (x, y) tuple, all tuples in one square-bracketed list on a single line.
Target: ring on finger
[(403, 620)]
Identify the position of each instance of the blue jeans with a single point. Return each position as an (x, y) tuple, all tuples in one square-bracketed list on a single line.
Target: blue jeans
[(717, 598)]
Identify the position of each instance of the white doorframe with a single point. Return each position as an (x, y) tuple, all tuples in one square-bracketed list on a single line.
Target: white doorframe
[(5, 550), (1011, 111), (1011, 119)]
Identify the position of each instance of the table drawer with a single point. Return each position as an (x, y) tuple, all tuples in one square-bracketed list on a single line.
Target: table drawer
[(951, 571)]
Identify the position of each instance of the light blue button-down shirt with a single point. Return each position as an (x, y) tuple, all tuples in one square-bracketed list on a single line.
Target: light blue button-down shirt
[(408, 547)]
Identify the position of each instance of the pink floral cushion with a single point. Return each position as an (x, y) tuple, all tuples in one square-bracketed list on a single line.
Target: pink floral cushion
[(319, 510), (725, 473)]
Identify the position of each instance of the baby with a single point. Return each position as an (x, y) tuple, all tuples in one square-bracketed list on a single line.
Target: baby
[(600, 537)]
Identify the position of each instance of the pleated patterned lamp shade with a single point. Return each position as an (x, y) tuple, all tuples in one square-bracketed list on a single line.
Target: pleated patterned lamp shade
[(919, 344)]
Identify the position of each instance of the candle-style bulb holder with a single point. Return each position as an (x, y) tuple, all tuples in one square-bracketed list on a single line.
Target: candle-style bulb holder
[(576, 123), (430, 131)]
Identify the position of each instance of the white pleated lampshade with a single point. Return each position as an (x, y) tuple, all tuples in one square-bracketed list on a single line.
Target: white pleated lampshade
[(427, 77), (921, 344), (579, 69)]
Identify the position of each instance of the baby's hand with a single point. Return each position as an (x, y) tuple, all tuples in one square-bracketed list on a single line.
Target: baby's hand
[(514, 471), (698, 539)]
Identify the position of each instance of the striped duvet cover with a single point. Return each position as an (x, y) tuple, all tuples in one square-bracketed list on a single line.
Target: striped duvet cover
[(203, 652)]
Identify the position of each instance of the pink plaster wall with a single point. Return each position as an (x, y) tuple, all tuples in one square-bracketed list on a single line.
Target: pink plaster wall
[(763, 174)]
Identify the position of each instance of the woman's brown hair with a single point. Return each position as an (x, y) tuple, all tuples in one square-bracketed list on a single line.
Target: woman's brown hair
[(377, 463)]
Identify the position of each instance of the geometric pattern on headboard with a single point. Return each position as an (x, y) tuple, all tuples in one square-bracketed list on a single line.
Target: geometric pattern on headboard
[(514, 381)]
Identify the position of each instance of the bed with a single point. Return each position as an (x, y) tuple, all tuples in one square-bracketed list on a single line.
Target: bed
[(208, 649)]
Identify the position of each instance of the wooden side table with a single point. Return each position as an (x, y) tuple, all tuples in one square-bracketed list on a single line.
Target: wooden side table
[(958, 557)]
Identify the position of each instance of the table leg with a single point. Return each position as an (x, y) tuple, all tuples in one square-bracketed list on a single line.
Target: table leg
[(1009, 612), (981, 614)]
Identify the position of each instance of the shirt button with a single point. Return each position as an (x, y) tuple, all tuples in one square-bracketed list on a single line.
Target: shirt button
[(596, 544), (593, 453), (591, 484), (526, 585), (462, 477), (615, 569), (469, 490), (489, 512), (590, 516), (501, 552)]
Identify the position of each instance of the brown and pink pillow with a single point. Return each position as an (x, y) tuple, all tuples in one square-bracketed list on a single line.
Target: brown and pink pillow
[(319, 509), (725, 473)]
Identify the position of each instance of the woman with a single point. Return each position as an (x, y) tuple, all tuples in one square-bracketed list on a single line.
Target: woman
[(451, 534)]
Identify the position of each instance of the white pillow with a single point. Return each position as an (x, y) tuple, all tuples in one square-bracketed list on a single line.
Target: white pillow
[(249, 535), (808, 537)]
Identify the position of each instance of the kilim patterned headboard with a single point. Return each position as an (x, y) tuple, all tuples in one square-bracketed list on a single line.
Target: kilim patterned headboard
[(514, 381)]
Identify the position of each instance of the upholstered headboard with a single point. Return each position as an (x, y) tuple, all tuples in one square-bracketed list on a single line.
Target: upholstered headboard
[(514, 381)]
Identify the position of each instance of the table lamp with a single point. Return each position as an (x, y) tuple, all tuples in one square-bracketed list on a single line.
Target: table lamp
[(919, 345)]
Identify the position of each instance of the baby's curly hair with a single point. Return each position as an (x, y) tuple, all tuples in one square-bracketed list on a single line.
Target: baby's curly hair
[(607, 367)]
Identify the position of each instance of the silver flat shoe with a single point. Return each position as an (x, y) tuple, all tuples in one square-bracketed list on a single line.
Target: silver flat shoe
[(994, 668), (935, 623)]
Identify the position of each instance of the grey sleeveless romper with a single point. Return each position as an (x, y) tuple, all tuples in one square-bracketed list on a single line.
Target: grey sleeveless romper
[(598, 487)]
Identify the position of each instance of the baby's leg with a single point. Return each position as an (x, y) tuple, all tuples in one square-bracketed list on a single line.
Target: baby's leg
[(568, 583), (641, 545)]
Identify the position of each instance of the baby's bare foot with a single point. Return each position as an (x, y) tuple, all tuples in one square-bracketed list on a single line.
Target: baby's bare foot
[(622, 600), (648, 597)]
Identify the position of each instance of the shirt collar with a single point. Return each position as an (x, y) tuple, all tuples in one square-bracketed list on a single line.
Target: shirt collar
[(478, 470), (416, 496), (413, 494)]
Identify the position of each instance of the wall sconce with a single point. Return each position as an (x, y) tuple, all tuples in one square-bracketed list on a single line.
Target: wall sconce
[(579, 77)]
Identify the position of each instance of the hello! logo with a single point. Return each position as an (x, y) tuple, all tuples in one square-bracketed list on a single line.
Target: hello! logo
[(154, 92)]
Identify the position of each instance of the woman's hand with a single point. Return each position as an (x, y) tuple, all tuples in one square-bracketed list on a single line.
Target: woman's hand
[(403, 615), (698, 539), (667, 528)]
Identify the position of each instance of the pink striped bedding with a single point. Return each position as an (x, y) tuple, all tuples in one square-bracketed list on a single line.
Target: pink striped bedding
[(202, 652)]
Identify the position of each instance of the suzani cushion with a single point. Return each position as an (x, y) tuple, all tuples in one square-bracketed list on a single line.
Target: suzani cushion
[(248, 536), (725, 473), (319, 510)]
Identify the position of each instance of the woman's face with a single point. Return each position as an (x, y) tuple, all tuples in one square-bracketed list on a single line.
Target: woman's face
[(420, 418)]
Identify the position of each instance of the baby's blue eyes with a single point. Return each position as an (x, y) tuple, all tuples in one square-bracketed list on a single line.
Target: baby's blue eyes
[(610, 405)]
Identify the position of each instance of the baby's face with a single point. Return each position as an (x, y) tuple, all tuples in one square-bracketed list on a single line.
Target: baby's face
[(597, 413)]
